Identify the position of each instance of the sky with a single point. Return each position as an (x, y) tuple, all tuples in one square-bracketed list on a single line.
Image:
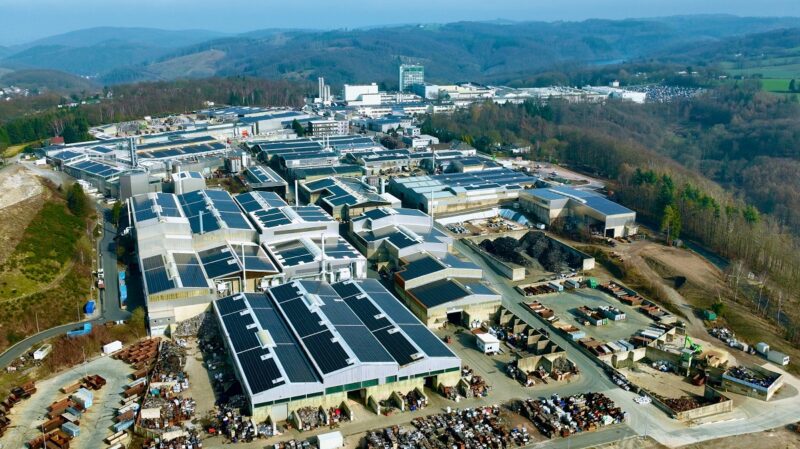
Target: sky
[(26, 20)]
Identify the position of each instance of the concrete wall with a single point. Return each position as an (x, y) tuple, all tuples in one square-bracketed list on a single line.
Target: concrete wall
[(260, 414), (510, 270)]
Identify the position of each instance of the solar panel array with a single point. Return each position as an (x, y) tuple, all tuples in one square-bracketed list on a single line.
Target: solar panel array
[(189, 270), (317, 338), (208, 204), (257, 200), (96, 168), (258, 363), (155, 275), (292, 253), (219, 262), (312, 329), (146, 207), (260, 175)]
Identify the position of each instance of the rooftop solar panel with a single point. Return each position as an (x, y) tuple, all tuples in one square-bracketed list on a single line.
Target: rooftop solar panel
[(158, 281), (235, 220), (365, 346), (231, 304), (303, 320), (261, 373), (329, 355), (398, 346), (427, 341), (192, 276), (241, 337), (152, 262)]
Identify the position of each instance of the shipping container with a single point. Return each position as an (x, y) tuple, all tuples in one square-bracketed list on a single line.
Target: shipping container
[(762, 348), (778, 357), (112, 347), (89, 307)]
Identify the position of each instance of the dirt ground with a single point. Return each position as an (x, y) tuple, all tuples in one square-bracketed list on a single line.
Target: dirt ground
[(668, 385), (17, 184), (21, 197)]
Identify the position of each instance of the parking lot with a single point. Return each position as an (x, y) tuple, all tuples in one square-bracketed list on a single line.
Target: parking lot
[(565, 303)]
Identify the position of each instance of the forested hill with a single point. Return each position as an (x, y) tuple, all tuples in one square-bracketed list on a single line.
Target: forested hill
[(474, 51)]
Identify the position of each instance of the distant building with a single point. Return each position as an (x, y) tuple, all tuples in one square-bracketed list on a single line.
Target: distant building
[(599, 213), (361, 94), (411, 75), (322, 128)]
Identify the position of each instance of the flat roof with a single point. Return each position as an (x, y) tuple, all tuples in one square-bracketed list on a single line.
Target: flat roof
[(592, 200)]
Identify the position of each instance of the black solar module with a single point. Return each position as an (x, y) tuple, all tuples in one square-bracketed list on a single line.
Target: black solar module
[(284, 292), (157, 280), (295, 364), (393, 308), (269, 320), (241, 337), (261, 373), (367, 313), (230, 304), (365, 346), (192, 276), (397, 345), (329, 356), (427, 341), (303, 320)]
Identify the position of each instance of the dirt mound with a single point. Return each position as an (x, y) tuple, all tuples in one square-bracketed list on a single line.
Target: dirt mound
[(17, 184)]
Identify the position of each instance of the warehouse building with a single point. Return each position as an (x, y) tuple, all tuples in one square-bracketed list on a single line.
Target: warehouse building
[(322, 128), (600, 214), (344, 198), (311, 343), (386, 235), (192, 247), (456, 192), (314, 173), (260, 177), (304, 241), (445, 290), (753, 381)]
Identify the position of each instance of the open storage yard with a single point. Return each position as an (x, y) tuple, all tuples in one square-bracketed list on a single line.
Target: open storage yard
[(565, 305), (95, 422)]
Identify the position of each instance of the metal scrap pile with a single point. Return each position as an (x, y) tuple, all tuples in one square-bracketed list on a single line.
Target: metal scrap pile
[(681, 404), (193, 326), (172, 412), (170, 363), (191, 440), (233, 426), (753, 377), (476, 387), (574, 414), (311, 417), (336, 416), (414, 400), (294, 444)]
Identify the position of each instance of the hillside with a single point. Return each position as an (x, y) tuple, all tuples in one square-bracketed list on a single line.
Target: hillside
[(478, 51), (49, 80)]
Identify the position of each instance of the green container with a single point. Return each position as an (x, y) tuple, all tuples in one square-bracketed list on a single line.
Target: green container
[(591, 282), (709, 315)]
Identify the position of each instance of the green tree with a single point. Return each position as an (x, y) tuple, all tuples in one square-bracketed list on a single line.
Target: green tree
[(671, 222), (298, 128), (116, 211), (717, 308), (77, 201)]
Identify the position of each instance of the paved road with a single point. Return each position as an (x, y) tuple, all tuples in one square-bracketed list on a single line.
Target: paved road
[(109, 298)]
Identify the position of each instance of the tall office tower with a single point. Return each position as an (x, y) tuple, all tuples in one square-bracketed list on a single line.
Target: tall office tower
[(411, 75)]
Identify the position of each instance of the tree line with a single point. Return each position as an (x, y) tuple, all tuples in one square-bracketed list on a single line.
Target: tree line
[(615, 142), (129, 102)]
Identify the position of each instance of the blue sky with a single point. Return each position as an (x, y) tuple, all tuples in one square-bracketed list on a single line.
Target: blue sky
[(24, 20)]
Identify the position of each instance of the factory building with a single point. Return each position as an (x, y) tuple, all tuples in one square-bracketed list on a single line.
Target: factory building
[(378, 162), (260, 177), (304, 241), (311, 343), (344, 198), (385, 235), (191, 248), (314, 173), (361, 95), (456, 192), (597, 212), (445, 290), (187, 181)]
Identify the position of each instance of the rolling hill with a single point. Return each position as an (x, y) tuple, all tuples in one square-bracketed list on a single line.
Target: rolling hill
[(477, 51)]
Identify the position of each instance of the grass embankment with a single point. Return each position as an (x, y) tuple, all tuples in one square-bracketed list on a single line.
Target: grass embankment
[(48, 275), (14, 150)]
